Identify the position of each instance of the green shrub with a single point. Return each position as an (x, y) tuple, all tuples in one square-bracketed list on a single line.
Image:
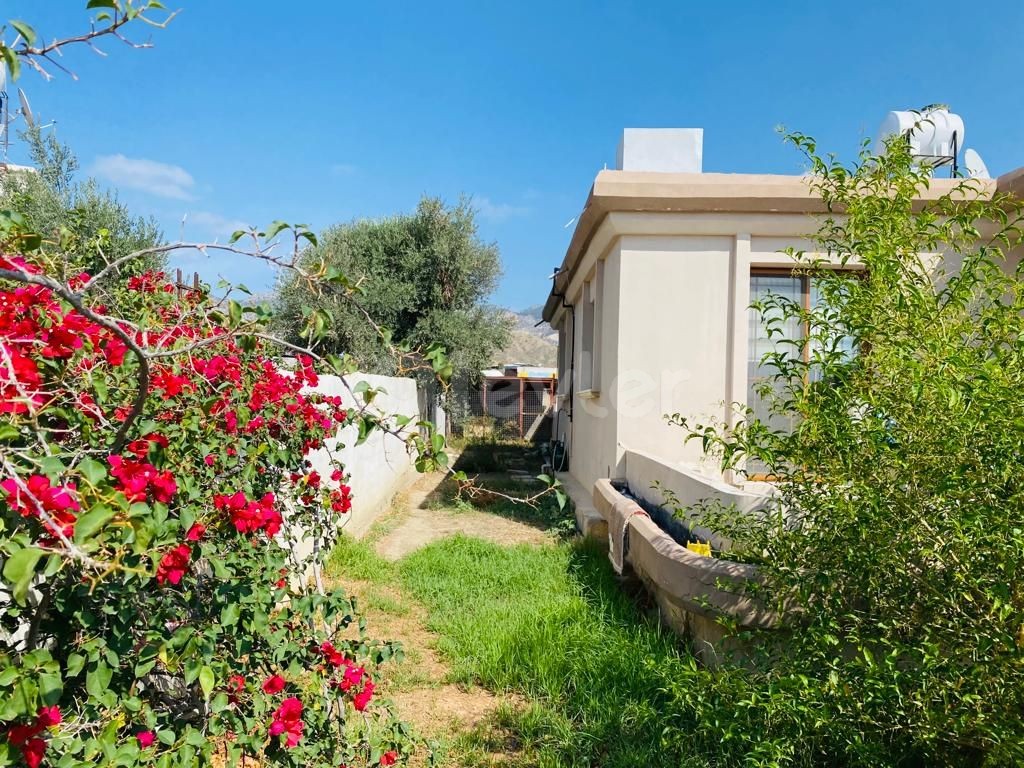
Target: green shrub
[(895, 542)]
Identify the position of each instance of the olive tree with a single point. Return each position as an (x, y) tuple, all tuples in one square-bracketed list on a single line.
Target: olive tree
[(426, 276)]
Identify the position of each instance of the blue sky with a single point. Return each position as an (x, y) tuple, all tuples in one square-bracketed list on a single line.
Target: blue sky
[(324, 111)]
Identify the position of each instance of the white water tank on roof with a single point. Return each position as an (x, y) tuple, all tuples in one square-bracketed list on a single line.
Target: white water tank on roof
[(931, 132), (668, 150)]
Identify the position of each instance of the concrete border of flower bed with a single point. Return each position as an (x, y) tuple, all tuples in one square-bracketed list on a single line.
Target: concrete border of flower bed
[(692, 590)]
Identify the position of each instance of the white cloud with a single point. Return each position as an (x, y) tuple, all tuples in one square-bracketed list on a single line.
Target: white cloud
[(494, 212), (214, 223), (160, 179)]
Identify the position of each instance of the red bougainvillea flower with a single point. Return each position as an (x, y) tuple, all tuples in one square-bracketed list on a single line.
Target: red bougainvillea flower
[(274, 684), (334, 657), (49, 716), (352, 677), (141, 446), (169, 382), (174, 565), (33, 751), (389, 758), (114, 351), (37, 492), (341, 499), (288, 721), (250, 516), (196, 532), (26, 736), (361, 699), (139, 480), (234, 688), (19, 380), (145, 738)]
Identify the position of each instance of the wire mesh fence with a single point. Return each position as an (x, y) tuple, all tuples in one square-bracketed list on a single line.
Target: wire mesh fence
[(506, 407)]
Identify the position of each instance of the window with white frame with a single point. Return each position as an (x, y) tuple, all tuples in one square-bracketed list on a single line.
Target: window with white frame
[(801, 290)]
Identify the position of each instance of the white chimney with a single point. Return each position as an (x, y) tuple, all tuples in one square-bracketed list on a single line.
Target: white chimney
[(668, 150)]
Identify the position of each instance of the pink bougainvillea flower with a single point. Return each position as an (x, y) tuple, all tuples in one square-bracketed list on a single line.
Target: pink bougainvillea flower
[(145, 738), (274, 684), (288, 721)]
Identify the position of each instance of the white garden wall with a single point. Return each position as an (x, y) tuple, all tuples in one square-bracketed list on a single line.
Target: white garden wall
[(380, 467)]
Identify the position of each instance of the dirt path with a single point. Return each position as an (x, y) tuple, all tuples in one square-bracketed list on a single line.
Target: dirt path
[(420, 685), (421, 523)]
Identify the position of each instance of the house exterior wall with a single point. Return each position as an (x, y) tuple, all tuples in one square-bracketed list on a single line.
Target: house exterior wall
[(593, 431), (674, 320), (678, 250), (673, 332)]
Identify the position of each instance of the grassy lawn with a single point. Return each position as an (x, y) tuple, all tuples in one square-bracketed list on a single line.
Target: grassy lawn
[(589, 673)]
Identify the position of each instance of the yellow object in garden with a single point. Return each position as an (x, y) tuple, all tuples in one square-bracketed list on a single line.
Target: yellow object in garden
[(699, 548)]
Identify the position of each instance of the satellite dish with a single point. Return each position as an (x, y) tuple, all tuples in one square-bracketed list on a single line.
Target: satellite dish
[(975, 166), (26, 110)]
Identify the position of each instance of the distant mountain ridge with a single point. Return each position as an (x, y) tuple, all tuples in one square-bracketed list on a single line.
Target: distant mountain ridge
[(529, 343)]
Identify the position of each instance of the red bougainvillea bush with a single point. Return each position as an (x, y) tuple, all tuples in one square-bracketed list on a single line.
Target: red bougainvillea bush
[(151, 462)]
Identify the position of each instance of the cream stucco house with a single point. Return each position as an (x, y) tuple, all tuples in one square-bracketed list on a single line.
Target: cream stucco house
[(652, 308)]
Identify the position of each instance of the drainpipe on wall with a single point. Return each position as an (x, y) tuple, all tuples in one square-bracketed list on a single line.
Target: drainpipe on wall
[(572, 352)]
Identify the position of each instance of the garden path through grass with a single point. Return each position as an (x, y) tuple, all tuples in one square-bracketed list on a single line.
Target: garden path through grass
[(522, 648), (420, 686), (423, 519)]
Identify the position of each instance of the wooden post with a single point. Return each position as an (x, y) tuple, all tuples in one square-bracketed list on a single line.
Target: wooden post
[(483, 397)]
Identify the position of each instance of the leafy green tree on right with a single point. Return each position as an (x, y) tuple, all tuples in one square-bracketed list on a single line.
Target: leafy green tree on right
[(894, 544)]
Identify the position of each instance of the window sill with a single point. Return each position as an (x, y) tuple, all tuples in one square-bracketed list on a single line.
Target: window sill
[(589, 394)]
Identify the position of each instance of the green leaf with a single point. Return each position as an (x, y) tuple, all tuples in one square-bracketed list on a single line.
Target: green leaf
[(8, 432), (206, 681), (50, 687), (275, 229), (92, 521), (92, 470), (101, 4), (97, 680), (19, 570), (75, 664), (24, 30)]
